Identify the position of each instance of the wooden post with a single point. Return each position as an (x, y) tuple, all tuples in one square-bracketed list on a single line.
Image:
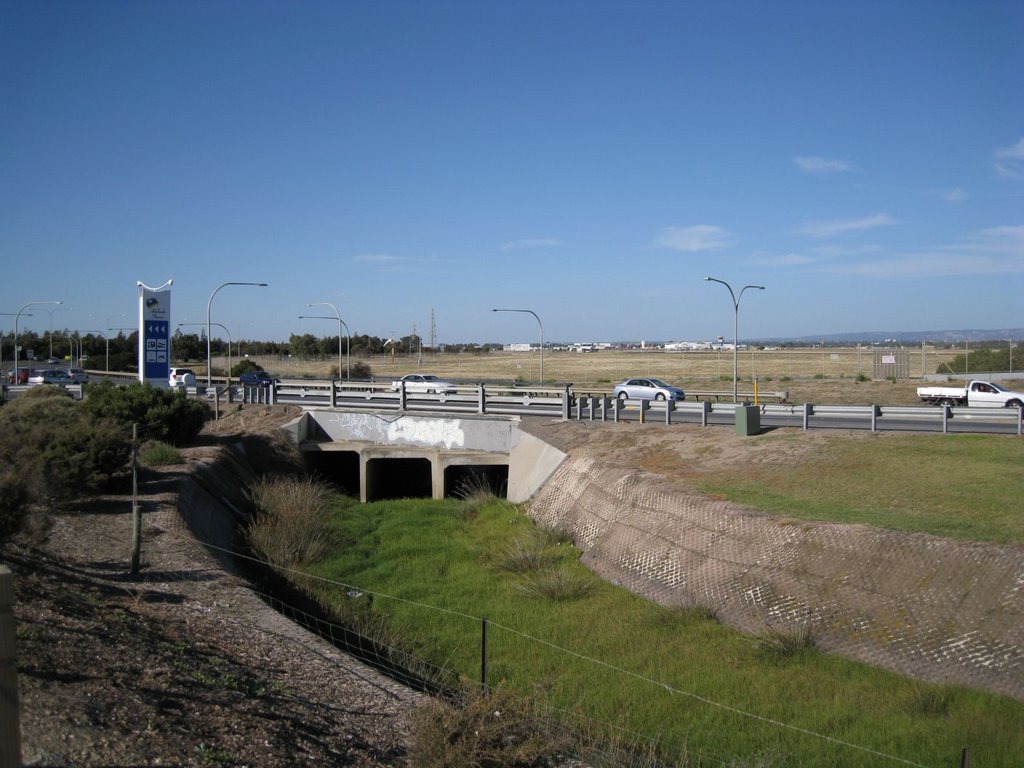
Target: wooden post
[(10, 727), (136, 510), (965, 757), (483, 657)]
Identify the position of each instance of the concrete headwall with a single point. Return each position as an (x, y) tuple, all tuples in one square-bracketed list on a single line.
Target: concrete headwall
[(530, 460), (937, 609)]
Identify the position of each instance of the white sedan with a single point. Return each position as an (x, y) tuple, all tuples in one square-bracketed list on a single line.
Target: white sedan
[(647, 389), (424, 384)]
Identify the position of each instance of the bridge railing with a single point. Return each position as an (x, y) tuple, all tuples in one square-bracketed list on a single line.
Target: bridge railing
[(564, 402)]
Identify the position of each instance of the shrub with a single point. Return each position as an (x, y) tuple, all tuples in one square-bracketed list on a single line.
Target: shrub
[(862, 377), (159, 454), (14, 499), (501, 729), (787, 644), (56, 448), (558, 584), (524, 556), (292, 523), (361, 370), (243, 366), (161, 414)]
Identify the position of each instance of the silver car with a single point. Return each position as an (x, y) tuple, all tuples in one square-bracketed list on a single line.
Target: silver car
[(49, 376), (647, 389)]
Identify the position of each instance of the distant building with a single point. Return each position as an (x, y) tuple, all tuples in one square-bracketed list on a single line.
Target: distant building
[(518, 348)]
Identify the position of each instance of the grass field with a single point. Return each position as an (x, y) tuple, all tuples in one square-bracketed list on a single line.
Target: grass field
[(966, 487), (708, 694)]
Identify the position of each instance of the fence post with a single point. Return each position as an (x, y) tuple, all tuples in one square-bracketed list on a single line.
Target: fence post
[(10, 727), (483, 656), (965, 757), (136, 509)]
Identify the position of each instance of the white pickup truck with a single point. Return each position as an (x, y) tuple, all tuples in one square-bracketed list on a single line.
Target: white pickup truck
[(984, 394)]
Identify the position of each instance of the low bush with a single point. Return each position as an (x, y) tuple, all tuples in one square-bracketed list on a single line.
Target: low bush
[(502, 729), (161, 414), (159, 454), (292, 523), (558, 584), (14, 498), (57, 449)]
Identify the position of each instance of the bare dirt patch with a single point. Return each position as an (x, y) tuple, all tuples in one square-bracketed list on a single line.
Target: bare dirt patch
[(181, 664), (684, 450)]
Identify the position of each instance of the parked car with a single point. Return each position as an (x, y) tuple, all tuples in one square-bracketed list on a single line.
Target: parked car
[(647, 389), (54, 360), (49, 376), (182, 377), (22, 376), (78, 376), (420, 384), (256, 379)]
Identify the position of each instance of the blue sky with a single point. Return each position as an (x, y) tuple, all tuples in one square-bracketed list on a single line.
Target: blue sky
[(590, 161)]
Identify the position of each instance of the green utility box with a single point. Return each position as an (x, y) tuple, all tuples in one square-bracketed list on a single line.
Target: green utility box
[(748, 420)]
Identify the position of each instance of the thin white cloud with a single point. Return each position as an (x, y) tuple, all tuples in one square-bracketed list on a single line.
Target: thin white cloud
[(992, 251), (843, 251), (1009, 161), (379, 258), (822, 165), (832, 227), (699, 237), (530, 242), (955, 195), (785, 260)]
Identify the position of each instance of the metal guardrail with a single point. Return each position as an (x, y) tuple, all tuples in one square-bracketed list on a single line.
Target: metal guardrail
[(568, 404)]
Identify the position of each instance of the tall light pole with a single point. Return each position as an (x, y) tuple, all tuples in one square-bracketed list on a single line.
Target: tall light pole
[(209, 304), (17, 317), (108, 318), (226, 333), (531, 312), (735, 331), (348, 338), (50, 312), (348, 373), (7, 314), (80, 350)]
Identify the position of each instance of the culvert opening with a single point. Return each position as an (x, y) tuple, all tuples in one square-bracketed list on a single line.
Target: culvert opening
[(398, 479), (340, 468), (464, 480)]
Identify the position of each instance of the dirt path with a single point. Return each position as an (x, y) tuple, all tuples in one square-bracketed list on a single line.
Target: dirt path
[(183, 664)]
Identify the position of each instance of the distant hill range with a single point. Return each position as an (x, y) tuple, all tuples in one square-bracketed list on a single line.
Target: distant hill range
[(911, 337)]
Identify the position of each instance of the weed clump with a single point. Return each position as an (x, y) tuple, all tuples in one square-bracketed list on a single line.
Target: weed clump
[(292, 523)]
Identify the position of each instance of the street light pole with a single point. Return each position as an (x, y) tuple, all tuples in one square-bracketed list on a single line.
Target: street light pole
[(226, 333), (531, 312), (348, 343), (17, 317), (735, 331), (348, 373), (209, 304), (108, 318), (51, 311)]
